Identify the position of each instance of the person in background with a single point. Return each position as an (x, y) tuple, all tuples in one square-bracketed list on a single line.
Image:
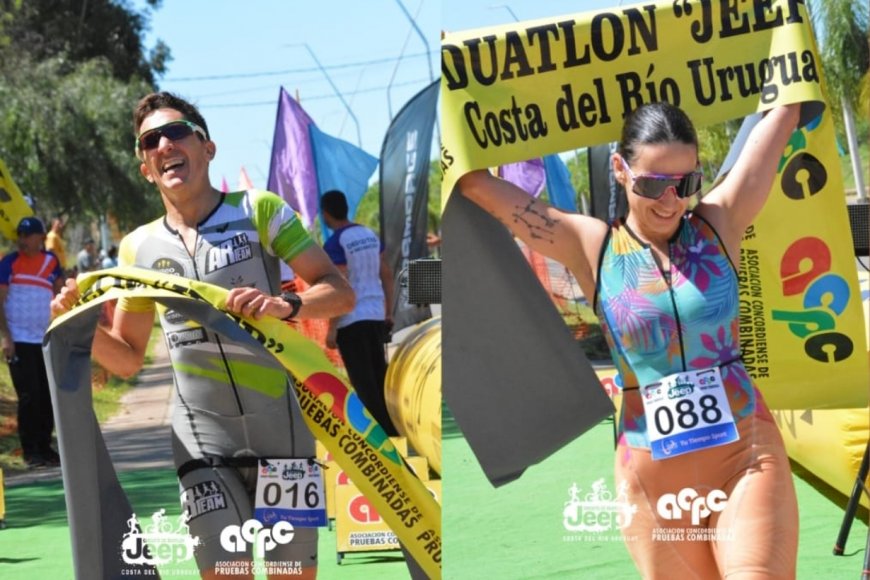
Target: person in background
[(111, 258), (360, 335), (29, 279), (54, 241), (87, 259)]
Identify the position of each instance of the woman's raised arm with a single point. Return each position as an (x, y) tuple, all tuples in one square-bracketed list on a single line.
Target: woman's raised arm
[(572, 239)]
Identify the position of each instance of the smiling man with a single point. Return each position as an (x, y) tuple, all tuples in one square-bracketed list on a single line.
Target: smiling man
[(234, 406)]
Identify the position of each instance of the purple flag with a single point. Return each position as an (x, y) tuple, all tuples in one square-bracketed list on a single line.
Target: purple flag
[(291, 171), (527, 175), (341, 165)]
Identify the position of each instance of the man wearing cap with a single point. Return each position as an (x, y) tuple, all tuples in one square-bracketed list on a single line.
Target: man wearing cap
[(29, 279)]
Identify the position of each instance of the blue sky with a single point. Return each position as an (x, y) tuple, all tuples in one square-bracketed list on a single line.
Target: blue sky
[(231, 57), (464, 14), (264, 39)]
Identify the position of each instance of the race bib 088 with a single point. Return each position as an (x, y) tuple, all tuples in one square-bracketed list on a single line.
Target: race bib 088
[(686, 412)]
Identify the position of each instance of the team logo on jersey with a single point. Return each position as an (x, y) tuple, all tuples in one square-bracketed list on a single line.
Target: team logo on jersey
[(186, 337), (174, 317), (232, 251), (202, 498), (168, 266)]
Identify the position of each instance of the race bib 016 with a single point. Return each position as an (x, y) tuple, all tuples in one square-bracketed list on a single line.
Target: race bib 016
[(686, 412), (290, 490)]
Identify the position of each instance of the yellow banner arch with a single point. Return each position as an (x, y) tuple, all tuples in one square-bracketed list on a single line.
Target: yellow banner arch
[(533, 88), (527, 89)]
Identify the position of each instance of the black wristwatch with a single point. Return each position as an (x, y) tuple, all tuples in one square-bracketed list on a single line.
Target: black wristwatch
[(295, 302)]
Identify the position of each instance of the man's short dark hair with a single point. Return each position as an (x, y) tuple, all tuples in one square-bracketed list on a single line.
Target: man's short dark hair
[(164, 100), (334, 203)]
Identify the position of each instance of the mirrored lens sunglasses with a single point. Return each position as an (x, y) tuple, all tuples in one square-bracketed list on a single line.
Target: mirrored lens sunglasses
[(654, 185), (174, 131)]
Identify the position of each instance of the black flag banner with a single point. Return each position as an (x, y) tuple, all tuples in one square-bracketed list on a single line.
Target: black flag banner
[(405, 194), (606, 194)]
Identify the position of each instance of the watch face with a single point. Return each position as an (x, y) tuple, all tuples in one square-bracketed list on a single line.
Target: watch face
[(293, 300)]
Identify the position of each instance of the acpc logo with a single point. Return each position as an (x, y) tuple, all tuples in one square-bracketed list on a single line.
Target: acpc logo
[(672, 505), (805, 267), (236, 538)]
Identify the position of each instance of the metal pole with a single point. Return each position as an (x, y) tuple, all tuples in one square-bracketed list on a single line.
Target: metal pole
[(421, 35), (506, 7), (852, 139), (428, 60), (396, 68), (337, 93)]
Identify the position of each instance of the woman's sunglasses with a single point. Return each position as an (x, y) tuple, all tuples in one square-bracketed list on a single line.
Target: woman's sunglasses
[(174, 131), (654, 185)]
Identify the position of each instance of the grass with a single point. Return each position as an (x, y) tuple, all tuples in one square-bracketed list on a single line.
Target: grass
[(108, 390)]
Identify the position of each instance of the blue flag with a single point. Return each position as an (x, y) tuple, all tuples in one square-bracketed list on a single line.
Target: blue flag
[(559, 188), (342, 166)]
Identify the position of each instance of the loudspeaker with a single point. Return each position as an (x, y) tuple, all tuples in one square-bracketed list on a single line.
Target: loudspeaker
[(424, 282), (859, 221)]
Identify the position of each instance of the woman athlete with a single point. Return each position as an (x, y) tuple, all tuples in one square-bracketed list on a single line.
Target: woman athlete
[(701, 456)]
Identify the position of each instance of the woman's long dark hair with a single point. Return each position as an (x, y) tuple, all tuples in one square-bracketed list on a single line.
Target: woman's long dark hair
[(653, 124)]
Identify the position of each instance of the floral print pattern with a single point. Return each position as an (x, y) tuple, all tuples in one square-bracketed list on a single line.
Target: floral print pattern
[(656, 328)]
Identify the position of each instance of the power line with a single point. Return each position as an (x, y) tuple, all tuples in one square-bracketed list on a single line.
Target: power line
[(297, 82), (311, 98), (289, 71)]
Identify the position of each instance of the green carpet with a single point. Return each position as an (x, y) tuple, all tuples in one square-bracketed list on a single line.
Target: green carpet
[(512, 532), (517, 531), (36, 542)]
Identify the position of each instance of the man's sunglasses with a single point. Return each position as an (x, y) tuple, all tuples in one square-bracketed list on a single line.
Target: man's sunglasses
[(174, 131), (654, 185)]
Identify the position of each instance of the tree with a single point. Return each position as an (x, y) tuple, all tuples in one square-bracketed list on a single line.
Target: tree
[(843, 29), (578, 167), (8, 9), (81, 30), (70, 76), (68, 142)]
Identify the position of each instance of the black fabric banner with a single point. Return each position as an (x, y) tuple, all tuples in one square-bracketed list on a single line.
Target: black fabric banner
[(607, 197), (404, 181), (527, 390)]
